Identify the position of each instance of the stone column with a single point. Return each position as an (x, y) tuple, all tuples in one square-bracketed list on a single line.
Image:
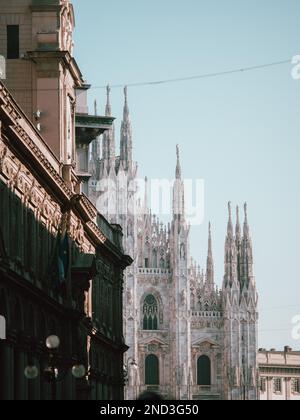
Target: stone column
[(269, 388), (287, 388), (162, 375)]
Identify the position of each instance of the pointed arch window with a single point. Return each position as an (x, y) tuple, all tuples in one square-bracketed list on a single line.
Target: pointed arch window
[(204, 371), (150, 313), (152, 370)]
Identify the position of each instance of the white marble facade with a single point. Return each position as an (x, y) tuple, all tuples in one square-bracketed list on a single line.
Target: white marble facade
[(187, 339)]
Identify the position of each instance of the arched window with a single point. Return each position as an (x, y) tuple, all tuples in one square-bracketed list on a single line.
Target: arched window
[(150, 313), (152, 370), (204, 371)]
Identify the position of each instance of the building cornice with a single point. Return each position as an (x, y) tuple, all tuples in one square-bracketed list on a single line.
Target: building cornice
[(84, 207), (63, 56)]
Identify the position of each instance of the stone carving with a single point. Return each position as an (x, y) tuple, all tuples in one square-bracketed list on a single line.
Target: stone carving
[(182, 251), (183, 297), (129, 297), (152, 348)]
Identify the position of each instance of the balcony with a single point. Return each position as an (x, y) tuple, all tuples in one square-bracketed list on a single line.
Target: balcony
[(89, 127)]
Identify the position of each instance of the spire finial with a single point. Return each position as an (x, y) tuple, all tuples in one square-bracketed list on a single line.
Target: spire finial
[(126, 93), (246, 227), (126, 109), (209, 241), (146, 193), (108, 105), (95, 108), (178, 167), (246, 211), (238, 226), (229, 210), (229, 226)]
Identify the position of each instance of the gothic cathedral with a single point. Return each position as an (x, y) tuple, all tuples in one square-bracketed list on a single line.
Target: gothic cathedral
[(187, 339)]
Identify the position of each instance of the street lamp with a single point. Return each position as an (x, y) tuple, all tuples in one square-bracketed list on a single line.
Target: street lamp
[(52, 372)]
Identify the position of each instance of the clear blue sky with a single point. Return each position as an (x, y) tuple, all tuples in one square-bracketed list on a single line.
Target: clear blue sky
[(240, 132)]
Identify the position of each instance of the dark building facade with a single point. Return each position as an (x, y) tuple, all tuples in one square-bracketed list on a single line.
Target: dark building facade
[(61, 263)]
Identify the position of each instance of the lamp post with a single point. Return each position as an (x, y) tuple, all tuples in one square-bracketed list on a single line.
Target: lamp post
[(52, 372)]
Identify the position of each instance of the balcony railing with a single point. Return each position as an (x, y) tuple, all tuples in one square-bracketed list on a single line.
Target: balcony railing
[(207, 314), (158, 271)]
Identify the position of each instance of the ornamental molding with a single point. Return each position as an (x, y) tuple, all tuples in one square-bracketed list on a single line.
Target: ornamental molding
[(39, 156), (34, 197), (96, 232), (205, 342), (19, 178), (25, 186), (10, 108)]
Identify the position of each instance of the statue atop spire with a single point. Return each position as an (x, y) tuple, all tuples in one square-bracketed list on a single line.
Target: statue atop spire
[(178, 167), (126, 108), (108, 112), (229, 226), (246, 210), (146, 193), (178, 190), (246, 226), (229, 210)]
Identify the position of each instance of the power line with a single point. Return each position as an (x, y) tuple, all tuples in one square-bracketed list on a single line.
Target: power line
[(179, 79), (200, 76)]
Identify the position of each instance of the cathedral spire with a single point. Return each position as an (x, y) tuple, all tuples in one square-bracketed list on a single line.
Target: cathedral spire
[(246, 254), (210, 262), (178, 166), (230, 276), (126, 136), (108, 143)]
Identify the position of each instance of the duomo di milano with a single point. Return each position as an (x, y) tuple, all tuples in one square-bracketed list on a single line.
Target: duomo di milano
[(186, 339)]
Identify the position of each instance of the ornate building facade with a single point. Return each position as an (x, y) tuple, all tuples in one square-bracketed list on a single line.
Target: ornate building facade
[(279, 374), (61, 262), (187, 339)]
